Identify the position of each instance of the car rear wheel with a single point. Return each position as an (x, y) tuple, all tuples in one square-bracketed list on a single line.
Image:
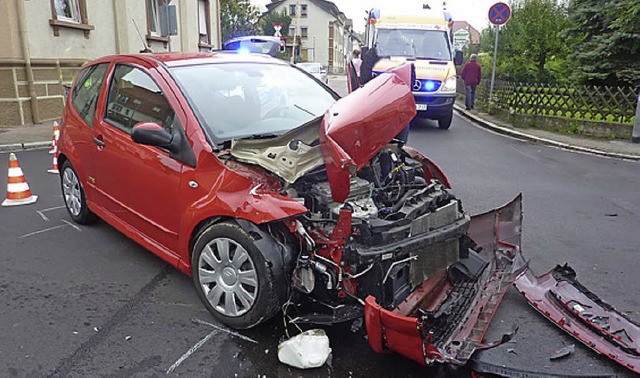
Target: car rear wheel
[(73, 195), (445, 122), (232, 277)]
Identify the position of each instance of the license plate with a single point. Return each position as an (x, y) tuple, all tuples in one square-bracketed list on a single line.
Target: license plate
[(421, 106)]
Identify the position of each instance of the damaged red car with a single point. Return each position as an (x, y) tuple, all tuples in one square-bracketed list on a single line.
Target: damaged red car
[(268, 189)]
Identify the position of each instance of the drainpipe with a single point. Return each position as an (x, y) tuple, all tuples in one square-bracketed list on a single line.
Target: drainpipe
[(24, 41)]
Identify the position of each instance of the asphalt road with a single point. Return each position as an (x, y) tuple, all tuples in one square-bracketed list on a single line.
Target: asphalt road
[(87, 301)]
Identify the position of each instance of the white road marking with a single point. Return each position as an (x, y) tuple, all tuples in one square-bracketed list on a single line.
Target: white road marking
[(71, 224), (243, 337), (44, 217), (190, 352), (51, 208), (41, 231)]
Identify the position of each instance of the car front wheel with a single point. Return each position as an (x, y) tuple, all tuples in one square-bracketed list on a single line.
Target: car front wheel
[(73, 195), (232, 278), (445, 122)]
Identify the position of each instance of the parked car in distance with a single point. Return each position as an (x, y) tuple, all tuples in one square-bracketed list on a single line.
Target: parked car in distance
[(316, 69), (256, 180)]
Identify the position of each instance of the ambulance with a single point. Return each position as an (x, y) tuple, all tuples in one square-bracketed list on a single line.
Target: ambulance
[(426, 40)]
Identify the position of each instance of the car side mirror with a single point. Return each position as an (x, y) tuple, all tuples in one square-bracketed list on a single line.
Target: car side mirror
[(323, 71), (458, 58), (151, 134)]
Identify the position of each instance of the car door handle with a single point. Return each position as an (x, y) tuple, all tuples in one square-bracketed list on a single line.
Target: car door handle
[(99, 142)]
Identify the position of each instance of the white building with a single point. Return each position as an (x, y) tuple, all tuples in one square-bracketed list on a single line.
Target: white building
[(324, 32)]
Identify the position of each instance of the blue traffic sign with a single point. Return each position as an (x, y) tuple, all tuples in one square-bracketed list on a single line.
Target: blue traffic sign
[(499, 13)]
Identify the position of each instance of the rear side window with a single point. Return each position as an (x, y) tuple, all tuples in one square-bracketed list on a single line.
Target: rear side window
[(87, 89), (134, 97)]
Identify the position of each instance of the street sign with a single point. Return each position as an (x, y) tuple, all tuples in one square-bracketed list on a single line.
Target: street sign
[(461, 39), (499, 14)]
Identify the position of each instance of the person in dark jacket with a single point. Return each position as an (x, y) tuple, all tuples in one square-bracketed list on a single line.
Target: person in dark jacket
[(471, 74)]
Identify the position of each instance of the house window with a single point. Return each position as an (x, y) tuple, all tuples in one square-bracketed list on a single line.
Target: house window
[(303, 10), (203, 22), (292, 10), (69, 14), (153, 17), (68, 10), (304, 32), (292, 30)]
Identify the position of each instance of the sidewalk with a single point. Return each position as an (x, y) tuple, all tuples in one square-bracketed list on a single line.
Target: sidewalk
[(38, 136), (19, 138), (620, 149)]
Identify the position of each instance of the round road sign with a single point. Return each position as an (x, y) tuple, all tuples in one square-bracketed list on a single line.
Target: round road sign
[(499, 13)]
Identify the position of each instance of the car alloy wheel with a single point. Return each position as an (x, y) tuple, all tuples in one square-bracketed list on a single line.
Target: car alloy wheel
[(71, 192), (73, 195), (228, 277), (236, 282)]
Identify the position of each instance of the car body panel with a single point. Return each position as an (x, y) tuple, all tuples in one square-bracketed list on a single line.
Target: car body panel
[(358, 126), (559, 297), (129, 200), (409, 331)]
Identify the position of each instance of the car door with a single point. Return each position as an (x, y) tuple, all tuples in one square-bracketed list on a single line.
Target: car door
[(139, 185), (79, 123)]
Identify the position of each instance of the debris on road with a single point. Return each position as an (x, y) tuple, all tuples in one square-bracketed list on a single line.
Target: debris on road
[(127, 338), (569, 349), (309, 349)]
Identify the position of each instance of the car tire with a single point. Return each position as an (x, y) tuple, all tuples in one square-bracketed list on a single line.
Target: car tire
[(445, 122), (232, 277), (73, 195)]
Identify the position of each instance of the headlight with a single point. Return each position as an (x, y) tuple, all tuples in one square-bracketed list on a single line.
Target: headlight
[(450, 84)]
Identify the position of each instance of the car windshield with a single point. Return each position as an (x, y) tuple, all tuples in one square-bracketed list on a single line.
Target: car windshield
[(240, 100), (311, 68), (418, 43)]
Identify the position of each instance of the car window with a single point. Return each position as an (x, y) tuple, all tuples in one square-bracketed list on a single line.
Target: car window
[(85, 93), (237, 100), (134, 97)]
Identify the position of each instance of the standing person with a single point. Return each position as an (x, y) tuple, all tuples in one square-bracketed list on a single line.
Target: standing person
[(357, 62), (471, 74)]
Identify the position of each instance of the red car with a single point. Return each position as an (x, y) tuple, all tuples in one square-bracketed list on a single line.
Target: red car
[(272, 193)]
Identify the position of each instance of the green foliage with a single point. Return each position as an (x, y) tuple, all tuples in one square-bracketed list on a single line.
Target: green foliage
[(531, 46), (266, 23), (238, 18), (607, 41)]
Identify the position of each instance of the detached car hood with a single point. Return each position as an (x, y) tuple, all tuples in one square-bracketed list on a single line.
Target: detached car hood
[(358, 126), (352, 131)]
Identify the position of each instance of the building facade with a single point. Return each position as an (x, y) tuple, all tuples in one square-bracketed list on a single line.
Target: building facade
[(47, 41), (322, 30)]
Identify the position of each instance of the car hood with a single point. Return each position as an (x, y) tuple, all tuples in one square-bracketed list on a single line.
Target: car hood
[(351, 132), (358, 126)]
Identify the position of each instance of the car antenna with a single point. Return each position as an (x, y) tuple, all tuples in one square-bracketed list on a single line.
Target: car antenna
[(146, 48)]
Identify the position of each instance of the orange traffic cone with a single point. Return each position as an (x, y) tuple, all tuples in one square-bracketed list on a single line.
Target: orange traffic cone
[(54, 169), (18, 192), (55, 137)]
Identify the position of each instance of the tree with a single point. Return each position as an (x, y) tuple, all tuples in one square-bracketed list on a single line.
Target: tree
[(608, 41), (238, 18), (266, 23), (531, 46)]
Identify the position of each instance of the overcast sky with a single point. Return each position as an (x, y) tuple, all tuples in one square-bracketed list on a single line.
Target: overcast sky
[(473, 11)]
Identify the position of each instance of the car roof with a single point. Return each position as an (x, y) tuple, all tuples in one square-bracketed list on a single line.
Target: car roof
[(177, 59)]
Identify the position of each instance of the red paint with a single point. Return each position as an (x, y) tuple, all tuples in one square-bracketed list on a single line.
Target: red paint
[(356, 127), (401, 330), (143, 192)]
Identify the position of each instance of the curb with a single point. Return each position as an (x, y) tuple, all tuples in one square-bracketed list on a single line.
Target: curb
[(17, 147), (538, 140)]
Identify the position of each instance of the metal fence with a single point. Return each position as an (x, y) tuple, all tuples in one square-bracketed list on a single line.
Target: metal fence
[(584, 102)]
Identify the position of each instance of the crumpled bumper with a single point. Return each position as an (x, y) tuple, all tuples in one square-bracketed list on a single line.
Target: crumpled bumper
[(445, 319), (559, 297)]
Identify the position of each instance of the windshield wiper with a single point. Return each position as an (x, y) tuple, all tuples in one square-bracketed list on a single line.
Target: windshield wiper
[(303, 109)]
